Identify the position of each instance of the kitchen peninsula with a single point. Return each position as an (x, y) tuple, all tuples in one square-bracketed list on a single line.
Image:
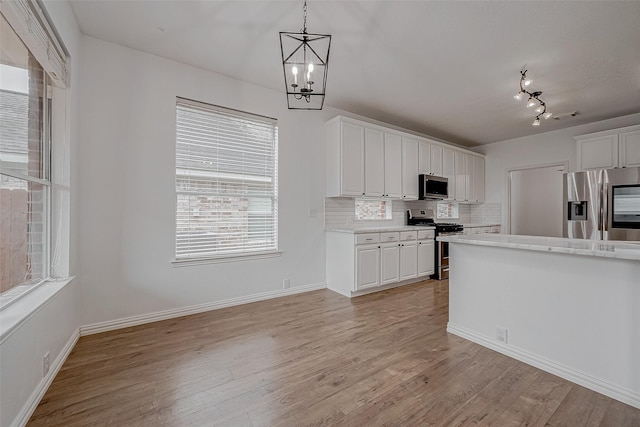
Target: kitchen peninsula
[(569, 307)]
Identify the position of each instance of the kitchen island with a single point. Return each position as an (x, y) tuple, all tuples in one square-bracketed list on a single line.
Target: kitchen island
[(569, 307)]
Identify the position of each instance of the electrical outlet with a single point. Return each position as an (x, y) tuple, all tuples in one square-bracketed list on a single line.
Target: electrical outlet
[(45, 364), (501, 335), (286, 283)]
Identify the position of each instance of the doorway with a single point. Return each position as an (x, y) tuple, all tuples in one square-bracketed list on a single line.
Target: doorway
[(535, 200)]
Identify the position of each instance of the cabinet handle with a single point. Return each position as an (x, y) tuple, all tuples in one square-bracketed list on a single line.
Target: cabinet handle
[(378, 247), (368, 240)]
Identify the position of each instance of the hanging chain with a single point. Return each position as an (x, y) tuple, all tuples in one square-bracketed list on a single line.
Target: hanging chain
[(304, 14)]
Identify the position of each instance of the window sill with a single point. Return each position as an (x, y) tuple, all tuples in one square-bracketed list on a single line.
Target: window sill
[(222, 259), (24, 307)]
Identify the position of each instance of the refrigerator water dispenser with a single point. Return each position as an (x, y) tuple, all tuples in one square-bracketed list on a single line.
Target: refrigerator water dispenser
[(577, 211)]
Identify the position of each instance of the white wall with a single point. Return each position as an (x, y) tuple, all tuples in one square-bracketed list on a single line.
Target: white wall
[(572, 315), (48, 316), (127, 187), (537, 150)]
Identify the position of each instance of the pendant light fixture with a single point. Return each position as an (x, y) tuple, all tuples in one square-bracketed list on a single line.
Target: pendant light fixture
[(305, 59), (533, 99)]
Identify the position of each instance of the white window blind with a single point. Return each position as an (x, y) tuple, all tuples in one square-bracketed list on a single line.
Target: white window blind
[(226, 182), (30, 22)]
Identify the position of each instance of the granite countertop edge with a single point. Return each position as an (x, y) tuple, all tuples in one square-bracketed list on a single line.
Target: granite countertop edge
[(605, 249)]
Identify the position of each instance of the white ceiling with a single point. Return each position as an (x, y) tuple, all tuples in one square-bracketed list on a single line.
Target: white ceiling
[(444, 68)]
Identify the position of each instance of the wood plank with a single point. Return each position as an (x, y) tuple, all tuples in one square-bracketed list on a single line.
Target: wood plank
[(312, 359)]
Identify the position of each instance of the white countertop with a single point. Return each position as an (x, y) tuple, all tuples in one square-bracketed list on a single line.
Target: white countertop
[(608, 249), (380, 229)]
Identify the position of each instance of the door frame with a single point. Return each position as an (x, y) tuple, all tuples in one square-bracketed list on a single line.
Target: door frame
[(507, 220)]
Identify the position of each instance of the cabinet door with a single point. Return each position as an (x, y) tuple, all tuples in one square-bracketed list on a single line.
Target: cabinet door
[(425, 158), (630, 149), (460, 171), (436, 160), (389, 263), (352, 161), (408, 260), (367, 266), (598, 152), (448, 171), (392, 166), (426, 257), (469, 194), (373, 163), (478, 178), (409, 169)]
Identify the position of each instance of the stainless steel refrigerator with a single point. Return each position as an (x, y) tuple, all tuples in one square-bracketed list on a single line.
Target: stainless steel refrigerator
[(602, 204)]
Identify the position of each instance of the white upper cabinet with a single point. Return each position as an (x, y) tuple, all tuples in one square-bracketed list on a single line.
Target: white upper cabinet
[(615, 148), (365, 159), (449, 171), (630, 148), (409, 168), (392, 165), (598, 153), (425, 158), (469, 194), (460, 168), (345, 159), (478, 179), (374, 162), (437, 160)]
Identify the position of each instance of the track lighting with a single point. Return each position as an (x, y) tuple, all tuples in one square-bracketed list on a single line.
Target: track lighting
[(534, 98)]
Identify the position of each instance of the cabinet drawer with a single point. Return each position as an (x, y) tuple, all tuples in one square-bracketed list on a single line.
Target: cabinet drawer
[(426, 234), (408, 235), (389, 237), (367, 238)]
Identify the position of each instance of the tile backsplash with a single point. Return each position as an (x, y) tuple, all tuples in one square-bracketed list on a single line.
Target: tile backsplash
[(340, 212)]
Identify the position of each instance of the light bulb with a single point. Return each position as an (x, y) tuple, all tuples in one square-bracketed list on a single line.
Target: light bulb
[(547, 115), (531, 103), (294, 70), (519, 96), (526, 81), (536, 122), (310, 68), (540, 108)]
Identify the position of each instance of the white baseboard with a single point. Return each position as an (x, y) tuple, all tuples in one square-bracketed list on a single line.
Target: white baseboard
[(194, 309), (32, 403), (614, 391)]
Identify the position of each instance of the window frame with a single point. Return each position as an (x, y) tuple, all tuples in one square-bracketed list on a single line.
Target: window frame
[(186, 260), (19, 290)]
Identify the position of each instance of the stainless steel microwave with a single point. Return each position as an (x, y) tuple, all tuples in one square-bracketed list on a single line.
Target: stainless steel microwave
[(433, 187)]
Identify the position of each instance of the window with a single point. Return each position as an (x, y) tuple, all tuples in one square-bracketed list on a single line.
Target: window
[(367, 209), (226, 182), (447, 210), (24, 166)]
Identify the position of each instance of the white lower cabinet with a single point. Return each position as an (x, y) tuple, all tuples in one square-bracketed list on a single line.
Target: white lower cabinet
[(426, 257), (389, 263), (365, 261), (368, 262)]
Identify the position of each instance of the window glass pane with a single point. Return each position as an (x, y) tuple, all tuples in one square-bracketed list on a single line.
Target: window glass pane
[(22, 245), (226, 182), (22, 91), (367, 209)]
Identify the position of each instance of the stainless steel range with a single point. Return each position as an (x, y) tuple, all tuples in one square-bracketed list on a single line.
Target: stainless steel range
[(425, 218)]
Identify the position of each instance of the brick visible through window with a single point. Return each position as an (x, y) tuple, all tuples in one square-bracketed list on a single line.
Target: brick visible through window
[(373, 209)]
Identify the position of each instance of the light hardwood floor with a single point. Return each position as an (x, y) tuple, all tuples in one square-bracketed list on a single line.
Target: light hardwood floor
[(313, 359)]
